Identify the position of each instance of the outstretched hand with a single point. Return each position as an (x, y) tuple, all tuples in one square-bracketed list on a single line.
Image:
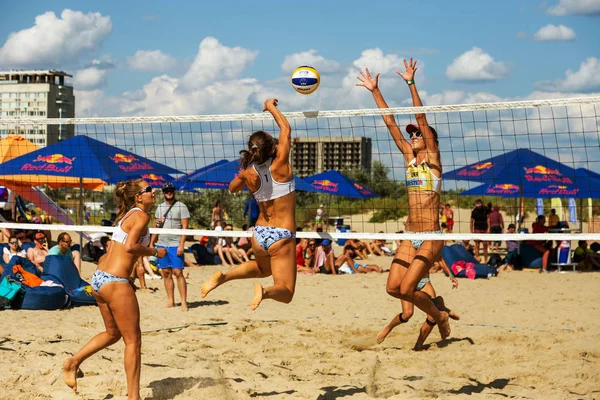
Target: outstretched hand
[(270, 103), (411, 68), (454, 282), (367, 80)]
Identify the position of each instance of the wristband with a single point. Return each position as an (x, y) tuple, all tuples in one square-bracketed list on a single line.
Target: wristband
[(451, 275), (411, 82), (155, 252)]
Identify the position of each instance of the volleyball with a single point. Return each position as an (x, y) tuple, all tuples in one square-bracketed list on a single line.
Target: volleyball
[(305, 80)]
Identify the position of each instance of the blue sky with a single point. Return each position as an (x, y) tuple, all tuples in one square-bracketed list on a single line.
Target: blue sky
[(498, 35)]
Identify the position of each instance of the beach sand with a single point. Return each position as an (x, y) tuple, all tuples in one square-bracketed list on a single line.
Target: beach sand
[(521, 335)]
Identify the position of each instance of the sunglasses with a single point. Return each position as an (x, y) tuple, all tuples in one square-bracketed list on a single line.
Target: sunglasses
[(168, 191), (312, 244), (147, 189), (42, 240), (13, 242), (417, 134)]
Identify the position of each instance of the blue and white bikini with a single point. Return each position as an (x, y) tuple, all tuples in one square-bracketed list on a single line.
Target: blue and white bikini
[(101, 278), (270, 189)]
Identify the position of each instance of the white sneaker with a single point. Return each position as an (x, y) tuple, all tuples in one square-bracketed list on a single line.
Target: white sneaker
[(157, 277), (148, 276)]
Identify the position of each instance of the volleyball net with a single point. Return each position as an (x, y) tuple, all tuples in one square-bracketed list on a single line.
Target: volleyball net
[(526, 158)]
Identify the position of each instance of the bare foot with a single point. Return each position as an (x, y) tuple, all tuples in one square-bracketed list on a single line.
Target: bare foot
[(70, 367), (184, 307), (386, 331), (258, 296), (170, 305), (215, 281), (419, 347), (439, 302), (444, 325)]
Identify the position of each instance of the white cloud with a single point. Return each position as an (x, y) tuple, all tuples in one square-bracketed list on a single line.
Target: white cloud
[(89, 78), (586, 80), (56, 42), (476, 65), (217, 62), (555, 33), (151, 60), (310, 58), (575, 7)]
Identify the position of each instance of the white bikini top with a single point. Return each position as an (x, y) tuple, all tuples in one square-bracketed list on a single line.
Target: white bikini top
[(119, 235), (270, 189), (420, 178)]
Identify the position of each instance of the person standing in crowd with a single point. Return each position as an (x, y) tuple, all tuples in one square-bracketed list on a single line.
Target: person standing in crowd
[(421, 153), (267, 173), (449, 217), (251, 210), (495, 223), (479, 224), (553, 220), (319, 219), (216, 215), (112, 289), (87, 215), (172, 214)]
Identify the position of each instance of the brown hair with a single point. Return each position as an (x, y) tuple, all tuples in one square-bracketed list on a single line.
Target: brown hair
[(261, 147), (125, 196)]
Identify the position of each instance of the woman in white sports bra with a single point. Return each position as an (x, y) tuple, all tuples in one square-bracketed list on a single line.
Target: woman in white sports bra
[(112, 289), (414, 258), (267, 173)]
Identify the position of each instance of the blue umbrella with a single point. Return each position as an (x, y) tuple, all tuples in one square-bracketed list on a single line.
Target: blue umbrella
[(528, 169), (334, 182), (190, 182), (83, 157)]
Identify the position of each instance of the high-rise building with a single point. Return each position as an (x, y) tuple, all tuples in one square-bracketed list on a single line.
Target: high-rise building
[(314, 155), (36, 94)]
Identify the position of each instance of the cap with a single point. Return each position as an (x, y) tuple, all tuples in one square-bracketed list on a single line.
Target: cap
[(40, 235), (411, 128), (511, 226), (325, 242), (204, 240), (321, 205), (168, 186)]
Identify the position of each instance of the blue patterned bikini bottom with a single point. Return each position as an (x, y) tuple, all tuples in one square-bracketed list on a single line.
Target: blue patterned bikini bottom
[(101, 278), (267, 235)]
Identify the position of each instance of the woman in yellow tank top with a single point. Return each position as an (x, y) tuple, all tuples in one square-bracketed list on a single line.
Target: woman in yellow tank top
[(423, 181)]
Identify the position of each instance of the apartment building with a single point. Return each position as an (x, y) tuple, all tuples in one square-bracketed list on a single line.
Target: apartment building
[(36, 94), (314, 155)]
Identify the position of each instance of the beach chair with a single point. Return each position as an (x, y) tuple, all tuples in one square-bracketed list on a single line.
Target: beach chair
[(563, 257)]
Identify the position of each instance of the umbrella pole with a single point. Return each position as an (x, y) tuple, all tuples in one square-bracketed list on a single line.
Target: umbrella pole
[(80, 213), (521, 214)]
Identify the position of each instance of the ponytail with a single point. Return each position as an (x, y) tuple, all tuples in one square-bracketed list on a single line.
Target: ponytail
[(125, 197)]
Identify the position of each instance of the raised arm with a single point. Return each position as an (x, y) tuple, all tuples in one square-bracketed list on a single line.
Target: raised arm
[(285, 136), (428, 136), (372, 84)]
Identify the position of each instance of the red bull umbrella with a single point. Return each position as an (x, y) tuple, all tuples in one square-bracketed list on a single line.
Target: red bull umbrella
[(522, 167), (81, 157), (334, 182)]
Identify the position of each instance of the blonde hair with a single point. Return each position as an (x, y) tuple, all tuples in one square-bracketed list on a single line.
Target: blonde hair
[(125, 196)]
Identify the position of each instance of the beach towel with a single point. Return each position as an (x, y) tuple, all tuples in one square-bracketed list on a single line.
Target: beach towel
[(457, 252), (61, 269), (26, 278)]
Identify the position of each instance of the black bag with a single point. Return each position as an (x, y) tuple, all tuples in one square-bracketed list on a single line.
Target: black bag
[(495, 260)]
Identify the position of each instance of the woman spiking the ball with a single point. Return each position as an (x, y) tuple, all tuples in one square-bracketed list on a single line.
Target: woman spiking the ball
[(423, 182), (267, 173)]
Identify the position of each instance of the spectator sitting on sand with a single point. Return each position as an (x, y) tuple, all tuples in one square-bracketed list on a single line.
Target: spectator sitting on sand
[(345, 263)]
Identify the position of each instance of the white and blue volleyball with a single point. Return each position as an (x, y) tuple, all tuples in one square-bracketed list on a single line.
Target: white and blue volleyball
[(305, 80)]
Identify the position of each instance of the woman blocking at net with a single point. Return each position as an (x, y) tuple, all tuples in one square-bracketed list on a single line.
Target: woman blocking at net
[(423, 182), (267, 173), (113, 290)]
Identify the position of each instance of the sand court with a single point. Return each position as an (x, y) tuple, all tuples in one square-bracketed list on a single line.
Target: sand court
[(521, 335)]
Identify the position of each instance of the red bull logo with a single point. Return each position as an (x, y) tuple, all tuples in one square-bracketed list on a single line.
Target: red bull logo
[(541, 170), (539, 173), (153, 177), (554, 190), (363, 190), (505, 188), (50, 163), (326, 185), (126, 162), (123, 158), (476, 170)]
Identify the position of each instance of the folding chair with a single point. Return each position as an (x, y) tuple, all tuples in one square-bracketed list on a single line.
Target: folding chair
[(563, 257)]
